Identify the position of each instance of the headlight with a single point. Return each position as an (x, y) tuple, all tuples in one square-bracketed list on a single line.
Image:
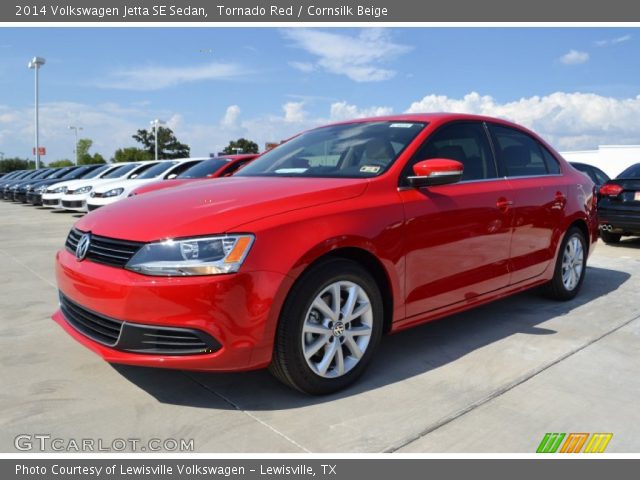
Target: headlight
[(193, 256), (59, 190), (113, 193), (41, 189), (82, 190)]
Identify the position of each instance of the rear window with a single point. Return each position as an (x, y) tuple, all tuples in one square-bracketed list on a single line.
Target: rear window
[(520, 154), (632, 172)]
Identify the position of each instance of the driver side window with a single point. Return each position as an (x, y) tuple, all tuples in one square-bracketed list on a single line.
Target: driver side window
[(465, 142)]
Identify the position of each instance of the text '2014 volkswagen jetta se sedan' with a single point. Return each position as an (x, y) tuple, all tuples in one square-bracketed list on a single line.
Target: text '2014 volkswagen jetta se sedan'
[(306, 257)]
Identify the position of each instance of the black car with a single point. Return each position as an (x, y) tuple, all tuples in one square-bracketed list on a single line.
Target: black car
[(10, 191), (6, 183), (594, 173), (35, 190), (619, 206)]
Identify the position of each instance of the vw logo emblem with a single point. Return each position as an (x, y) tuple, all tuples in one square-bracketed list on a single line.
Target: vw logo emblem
[(338, 329), (83, 246)]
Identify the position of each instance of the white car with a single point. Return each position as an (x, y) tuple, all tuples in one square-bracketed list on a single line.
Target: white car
[(75, 198), (52, 195), (118, 189)]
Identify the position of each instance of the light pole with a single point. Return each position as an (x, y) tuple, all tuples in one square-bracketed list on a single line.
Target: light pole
[(238, 150), (75, 150), (155, 123), (35, 64)]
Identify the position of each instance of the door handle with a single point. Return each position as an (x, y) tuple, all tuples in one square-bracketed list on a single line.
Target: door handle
[(504, 204)]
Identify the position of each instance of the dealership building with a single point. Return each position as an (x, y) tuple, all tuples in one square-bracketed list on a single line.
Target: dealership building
[(611, 159)]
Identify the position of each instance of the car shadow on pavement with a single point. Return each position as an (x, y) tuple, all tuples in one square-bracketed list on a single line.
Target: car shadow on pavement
[(626, 242), (400, 356)]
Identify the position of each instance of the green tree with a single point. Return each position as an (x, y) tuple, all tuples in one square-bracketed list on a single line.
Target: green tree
[(11, 164), (168, 144), (84, 157), (131, 154), (61, 163), (241, 145)]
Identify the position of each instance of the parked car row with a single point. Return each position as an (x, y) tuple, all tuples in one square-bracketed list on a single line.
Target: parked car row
[(88, 187)]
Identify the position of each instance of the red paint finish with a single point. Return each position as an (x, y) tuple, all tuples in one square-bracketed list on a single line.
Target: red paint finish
[(442, 249)]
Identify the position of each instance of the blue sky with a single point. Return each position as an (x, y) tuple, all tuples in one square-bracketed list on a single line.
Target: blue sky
[(578, 87)]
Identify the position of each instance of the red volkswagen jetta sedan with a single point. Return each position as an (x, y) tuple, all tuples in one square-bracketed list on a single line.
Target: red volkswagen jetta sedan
[(306, 257)]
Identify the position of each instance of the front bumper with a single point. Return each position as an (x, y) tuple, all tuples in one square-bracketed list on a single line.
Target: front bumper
[(34, 198), (97, 202), (51, 200), (238, 311), (77, 203)]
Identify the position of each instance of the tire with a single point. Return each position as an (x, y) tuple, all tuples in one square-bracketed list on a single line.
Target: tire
[(608, 237), (309, 323), (571, 266)]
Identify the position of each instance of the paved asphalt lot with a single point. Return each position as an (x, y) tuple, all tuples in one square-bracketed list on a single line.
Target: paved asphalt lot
[(491, 380)]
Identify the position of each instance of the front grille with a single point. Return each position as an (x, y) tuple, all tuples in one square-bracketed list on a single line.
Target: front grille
[(50, 203), (108, 251), (97, 327), (136, 337), (72, 204)]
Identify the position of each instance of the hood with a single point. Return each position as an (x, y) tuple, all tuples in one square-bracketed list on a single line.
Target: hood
[(174, 182), (95, 182), (127, 184), (215, 206), (70, 184)]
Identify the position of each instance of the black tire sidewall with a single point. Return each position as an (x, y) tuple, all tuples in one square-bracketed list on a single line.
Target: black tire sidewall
[(561, 291), (298, 373)]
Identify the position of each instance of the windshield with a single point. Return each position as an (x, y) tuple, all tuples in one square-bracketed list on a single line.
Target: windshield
[(204, 168), (632, 172), (96, 172), (120, 171), (156, 170), (61, 173), (354, 150)]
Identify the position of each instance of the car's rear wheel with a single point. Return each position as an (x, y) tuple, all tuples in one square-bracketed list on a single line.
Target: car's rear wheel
[(329, 328), (571, 266), (608, 237)]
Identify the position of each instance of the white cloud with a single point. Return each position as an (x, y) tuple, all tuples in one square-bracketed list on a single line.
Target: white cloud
[(158, 77), (305, 67), (567, 120), (574, 57), (294, 112), (358, 57), (231, 116), (344, 111), (613, 41)]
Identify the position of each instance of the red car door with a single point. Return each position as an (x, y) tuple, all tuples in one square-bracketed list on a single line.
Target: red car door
[(539, 199), (457, 236)]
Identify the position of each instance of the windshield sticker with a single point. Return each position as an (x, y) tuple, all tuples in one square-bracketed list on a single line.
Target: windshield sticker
[(291, 170), (370, 169), (401, 125)]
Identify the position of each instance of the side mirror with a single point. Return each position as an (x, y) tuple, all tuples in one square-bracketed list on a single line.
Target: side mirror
[(436, 171)]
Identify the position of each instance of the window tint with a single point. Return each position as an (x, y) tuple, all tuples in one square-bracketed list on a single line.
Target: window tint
[(181, 168), (601, 177), (632, 172), (552, 164), (465, 142), (204, 168), (121, 170), (519, 153)]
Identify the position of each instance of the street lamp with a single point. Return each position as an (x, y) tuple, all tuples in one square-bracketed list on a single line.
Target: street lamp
[(155, 123), (238, 150), (75, 150), (35, 64)]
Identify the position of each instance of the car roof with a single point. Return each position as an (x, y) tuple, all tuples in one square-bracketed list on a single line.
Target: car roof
[(430, 117)]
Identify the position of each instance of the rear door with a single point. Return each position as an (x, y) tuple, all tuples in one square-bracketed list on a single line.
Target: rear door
[(539, 199), (457, 236)]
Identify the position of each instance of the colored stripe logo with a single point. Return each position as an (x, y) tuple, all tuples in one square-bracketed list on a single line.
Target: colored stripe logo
[(573, 442)]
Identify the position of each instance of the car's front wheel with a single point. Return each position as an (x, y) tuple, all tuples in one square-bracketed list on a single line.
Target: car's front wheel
[(329, 328), (571, 266)]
